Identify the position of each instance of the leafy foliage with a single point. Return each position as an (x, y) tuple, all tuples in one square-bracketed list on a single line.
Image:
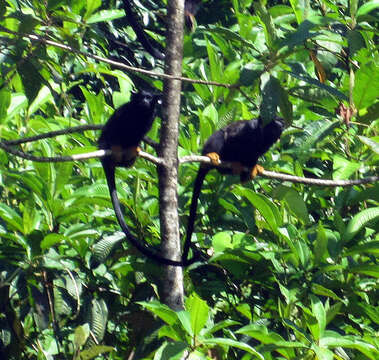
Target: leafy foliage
[(294, 269)]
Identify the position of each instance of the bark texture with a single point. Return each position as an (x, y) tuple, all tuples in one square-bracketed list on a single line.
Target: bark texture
[(172, 292)]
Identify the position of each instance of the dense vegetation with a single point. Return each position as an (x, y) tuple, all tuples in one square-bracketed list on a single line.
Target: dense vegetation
[(294, 269)]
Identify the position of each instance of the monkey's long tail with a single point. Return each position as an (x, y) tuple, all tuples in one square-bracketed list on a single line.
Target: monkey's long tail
[(110, 176), (192, 215)]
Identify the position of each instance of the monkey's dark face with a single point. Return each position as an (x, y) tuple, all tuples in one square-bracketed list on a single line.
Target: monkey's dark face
[(271, 133), (145, 99)]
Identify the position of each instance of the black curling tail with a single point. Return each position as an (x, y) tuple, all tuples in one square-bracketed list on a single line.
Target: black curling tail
[(110, 176), (192, 215)]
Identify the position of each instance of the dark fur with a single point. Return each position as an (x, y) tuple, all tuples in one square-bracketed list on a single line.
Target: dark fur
[(243, 142), (125, 130)]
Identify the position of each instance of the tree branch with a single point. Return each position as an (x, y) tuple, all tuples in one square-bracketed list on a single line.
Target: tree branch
[(114, 63), (5, 145)]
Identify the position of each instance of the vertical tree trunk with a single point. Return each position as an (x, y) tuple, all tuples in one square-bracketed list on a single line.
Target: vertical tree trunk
[(172, 285)]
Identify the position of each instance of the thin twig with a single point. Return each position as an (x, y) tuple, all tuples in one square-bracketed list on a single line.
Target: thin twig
[(71, 130), (317, 182), (51, 134), (114, 63)]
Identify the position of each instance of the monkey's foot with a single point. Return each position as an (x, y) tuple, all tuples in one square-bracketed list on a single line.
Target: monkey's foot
[(131, 153), (215, 158), (257, 169)]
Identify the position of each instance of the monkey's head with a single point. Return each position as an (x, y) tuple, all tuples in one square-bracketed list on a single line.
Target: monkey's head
[(272, 132), (145, 99), (275, 127)]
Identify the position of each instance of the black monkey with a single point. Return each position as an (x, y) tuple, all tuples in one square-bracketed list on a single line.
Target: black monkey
[(242, 143), (122, 134)]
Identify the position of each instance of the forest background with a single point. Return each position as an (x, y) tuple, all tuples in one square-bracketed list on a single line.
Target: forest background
[(293, 269)]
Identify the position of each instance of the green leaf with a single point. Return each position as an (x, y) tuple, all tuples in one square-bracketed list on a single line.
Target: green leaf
[(298, 9), (245, 310), (219, 326), (161, 310), (294, 201), (65, 172), (359, 221), (199, 312), (323, 291), (230, 35), (267, 208), (371, 247), (320, 85), (366, 90), (333, 340), (31, 78), (367, 7), (261, 334), (320, 245), (371, 143), (103, 248), (94, 351), (95, 105), (215, 63), (221, 241), (19, 102), (105, 15), (92, 5), (250, 74), (353, 7), (11, 217), (355, 41), (322, 353), (98, 318), (270, 99), (44, 96), (81, 335), (50, 240), (371, 311), (302, 34), (285, 105), (175, 351), (343, 168), (184, 318), (319, 313), (229, 342), (314, 133), (5, 101), (370, 270), (54, 4)]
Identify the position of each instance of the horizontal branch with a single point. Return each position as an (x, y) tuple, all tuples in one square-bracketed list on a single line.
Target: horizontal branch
[(51, 134), (75, 157), (114, 63), (186, 159), (318, 182), (71, 130)]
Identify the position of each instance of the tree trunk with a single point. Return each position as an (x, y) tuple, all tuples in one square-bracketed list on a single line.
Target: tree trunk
[(171, 292)]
